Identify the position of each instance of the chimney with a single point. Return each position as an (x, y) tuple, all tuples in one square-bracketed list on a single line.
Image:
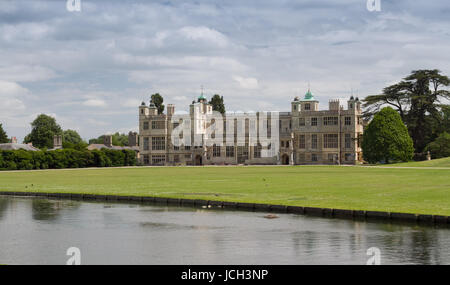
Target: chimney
[(170, 110), (108, 140), (13, 140), (57, 141), (132, 139)]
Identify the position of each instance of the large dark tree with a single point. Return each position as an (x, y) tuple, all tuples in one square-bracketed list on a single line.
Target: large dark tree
[(440, 147), (417, 98), (386, 138), (158, 101), (44, 128), (217, 103), (3, 136)]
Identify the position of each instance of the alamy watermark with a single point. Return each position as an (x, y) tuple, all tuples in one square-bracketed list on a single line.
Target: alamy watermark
[(214, 129), (374, 5), (375, 256), (75, 256), (73, 5)]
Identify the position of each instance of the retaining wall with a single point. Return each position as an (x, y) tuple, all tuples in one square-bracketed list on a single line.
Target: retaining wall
[(310, 211)]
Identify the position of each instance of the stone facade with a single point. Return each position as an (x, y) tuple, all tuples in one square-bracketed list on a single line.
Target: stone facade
[(306, 135)]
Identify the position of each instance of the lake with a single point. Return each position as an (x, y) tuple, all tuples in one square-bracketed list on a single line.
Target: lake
[(39, 231)]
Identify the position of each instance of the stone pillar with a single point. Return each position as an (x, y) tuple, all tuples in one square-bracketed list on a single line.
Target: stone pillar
[(108, 140), (57, 141)]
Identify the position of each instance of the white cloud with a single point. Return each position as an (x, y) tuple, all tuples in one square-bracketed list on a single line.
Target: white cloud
[(247, 82), (94, 103), (204, 34), (25, 73)]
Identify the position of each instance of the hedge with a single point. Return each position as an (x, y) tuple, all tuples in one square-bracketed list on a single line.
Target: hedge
[(65, 158)]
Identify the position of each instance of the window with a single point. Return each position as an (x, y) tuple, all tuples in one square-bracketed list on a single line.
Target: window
[(295, 107), (230, 151), (307, 106), (158, 143), (314, 157), (145, 125), (314, 141), (330, 121), (146, 159), (242, 152), (176, 158), (348, 141), (158, 125), (146, 143), (330, 140), (216, 151), (301, 157), (313, 121), (348, 156), (301, 141), (158, 159), (301, 122), (348, 121), (287, 143), (282, 143), (331, 157), (359, 121), (187, 157), (257, 151)]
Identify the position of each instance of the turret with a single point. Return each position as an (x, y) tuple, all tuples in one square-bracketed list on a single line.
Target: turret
[(170, 110), (351, 103), (143, 110), (309, 103), (152, 109), (295, 105)]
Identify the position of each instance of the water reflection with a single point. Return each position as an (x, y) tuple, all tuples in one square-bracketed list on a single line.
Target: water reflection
[(120, 233), (3, 207)]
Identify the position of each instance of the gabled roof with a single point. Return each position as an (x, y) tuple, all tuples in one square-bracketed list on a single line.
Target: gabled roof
[(16, 146)]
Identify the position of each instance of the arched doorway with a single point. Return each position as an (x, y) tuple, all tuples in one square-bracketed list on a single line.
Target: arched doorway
[(285, 159), (198, 160)]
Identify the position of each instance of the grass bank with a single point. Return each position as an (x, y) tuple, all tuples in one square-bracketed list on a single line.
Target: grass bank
[(355, 188), (442, 162)]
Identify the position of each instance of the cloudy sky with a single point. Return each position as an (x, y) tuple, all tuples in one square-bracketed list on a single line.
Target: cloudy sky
[(91, 69)]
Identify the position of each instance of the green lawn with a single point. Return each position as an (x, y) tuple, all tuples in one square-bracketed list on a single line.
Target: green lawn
[(442, 162), (425, 191)]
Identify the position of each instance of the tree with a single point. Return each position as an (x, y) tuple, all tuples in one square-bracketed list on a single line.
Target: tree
[(3, 136), (386, 138), (158, 101), (217, 103), (417, 98), (72, 136), (117, 139), (44, 128), (440, 147)]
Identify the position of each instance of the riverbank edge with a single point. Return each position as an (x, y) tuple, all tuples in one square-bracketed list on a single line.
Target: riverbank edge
[(282, 209)]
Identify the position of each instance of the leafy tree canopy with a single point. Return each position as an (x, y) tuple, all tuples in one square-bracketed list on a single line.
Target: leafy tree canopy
[(117, 139), (217, 103), (158, 101), (3, 136), (440, 147), (43, 129), (72, 136), (418, 100), (386, 138)]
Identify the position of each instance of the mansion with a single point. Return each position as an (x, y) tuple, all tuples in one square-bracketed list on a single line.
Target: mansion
[(305, 135)]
